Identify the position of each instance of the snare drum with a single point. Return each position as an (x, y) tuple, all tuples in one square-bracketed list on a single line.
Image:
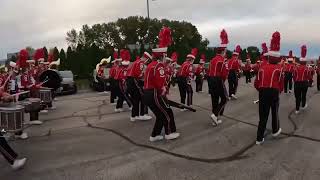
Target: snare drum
[(27, 106), (35, 108), (12, 118), (45, 95)]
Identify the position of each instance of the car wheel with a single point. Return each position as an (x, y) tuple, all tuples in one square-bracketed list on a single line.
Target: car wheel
[(75, 90)]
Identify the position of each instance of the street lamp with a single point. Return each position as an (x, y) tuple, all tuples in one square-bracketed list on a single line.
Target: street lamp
[(148, 8)]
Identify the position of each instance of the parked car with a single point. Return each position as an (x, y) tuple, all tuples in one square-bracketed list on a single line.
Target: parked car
[(68, 85), (98, 86)]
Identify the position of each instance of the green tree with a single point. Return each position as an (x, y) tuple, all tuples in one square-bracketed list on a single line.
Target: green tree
[(63, 60), (56, 54), (45, 50)]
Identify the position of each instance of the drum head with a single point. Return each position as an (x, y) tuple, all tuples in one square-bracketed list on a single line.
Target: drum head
[(52, 78)]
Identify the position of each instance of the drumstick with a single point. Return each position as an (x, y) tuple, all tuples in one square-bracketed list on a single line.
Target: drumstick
[(5, 83), (18, 94)]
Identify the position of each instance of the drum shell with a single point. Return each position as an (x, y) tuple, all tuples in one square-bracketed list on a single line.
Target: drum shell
[(45, 95), (12, 118), (35, 104)]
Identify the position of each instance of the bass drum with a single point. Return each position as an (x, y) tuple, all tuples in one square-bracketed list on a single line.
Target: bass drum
[(52, 78)]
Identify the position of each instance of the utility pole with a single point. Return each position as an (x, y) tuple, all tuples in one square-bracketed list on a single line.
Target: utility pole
[(148, 9)]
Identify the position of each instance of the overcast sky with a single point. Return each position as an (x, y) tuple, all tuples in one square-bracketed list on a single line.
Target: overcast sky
[(38, 23)]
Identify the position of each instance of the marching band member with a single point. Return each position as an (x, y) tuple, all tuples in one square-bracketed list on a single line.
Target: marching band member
[(247, 69), (200, 73), (264, 55), (288, 73), (318, 74), (174, 58), (112, 74), (301, 77), (169, 73), (185, 75), (135, 88), (120, 79), (312, 72), (234, 69), (155, 90), (269, 83), (100, 72), (8, 153), (218, 73)]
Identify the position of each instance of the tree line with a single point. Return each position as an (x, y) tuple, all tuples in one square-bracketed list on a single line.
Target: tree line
[(138, 34)]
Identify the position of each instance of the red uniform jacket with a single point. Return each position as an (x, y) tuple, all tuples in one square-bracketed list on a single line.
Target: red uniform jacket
[(217, 68), (121, 73), (3, 78), (318, 69), (26, 80), (136, 69), (113, 71), (199, 70), (186, 70), (247, 67), (100, 72), (301, 73), (288, 68), (234, 64), (270, 76), (155, 76), (256, 67)]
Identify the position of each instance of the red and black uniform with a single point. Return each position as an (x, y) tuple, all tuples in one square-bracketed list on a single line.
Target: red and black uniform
[(9, 154), (200, 72), (318, 76), (247, 72), (301, 77), (112, 74), (269, 83), (120, 79), (234, 69), (135, 88), (154, 97), (218, 73), (288, 74), (169, 73), (185, 76), (312, 72)]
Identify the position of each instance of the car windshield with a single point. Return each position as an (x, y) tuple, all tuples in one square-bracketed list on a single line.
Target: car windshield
[(66, 74)]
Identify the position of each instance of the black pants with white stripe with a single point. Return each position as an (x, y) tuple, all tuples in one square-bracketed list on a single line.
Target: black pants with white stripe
[(268, 99), (162, 111), (185, 90), (121, 94), (300, 92), (287, 81), (113, 94), (7, 151), (233, 82), (135, 90), (218, 95), (199, 83)]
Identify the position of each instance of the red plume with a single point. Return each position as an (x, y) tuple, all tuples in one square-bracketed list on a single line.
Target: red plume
[(115, 55), (224, 37), (303, 51), (194, 52), (290, 54), (38, 54), (203, 57), (264, 48), (122, 54), (238, 49), (23, 57), (174, 57), (275, 42), (165, 39)]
